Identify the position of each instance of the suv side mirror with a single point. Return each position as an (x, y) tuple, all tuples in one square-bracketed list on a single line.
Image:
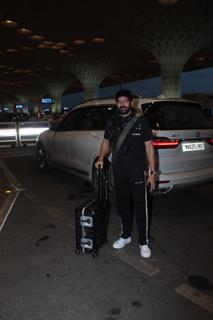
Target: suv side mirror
[(54, 125)]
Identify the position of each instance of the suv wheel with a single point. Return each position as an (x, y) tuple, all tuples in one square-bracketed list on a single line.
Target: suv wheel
[(41, 159)]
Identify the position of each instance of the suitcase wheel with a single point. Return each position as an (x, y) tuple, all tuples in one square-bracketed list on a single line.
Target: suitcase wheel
[(94, 255), (77, 251)]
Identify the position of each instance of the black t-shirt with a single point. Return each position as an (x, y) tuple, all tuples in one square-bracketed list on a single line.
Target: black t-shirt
[(132, 154)]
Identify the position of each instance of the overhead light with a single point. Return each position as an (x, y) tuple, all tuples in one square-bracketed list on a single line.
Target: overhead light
[(1, 52), (18, 71), (64, 51), (48, 68), (48, 43), (43, 46), (24, 31), (36, 37), (9, 23), (153, 61), (3, 66), (32, 74), (25, 48), (6, 72), (11, 50), (27, 71), (78, 42), (98, 40), (55, 47), (61, 44)]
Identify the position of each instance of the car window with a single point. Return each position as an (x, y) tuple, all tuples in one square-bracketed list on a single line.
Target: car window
[(87, 118), (95, 118), (71, 121), (169, 115)]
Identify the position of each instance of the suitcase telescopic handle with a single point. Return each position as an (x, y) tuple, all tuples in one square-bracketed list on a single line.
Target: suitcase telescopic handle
[(100, 192)]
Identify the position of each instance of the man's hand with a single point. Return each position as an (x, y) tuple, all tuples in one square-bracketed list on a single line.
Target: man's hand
[(151, 182), (151, 159), (104, 152), (99, 163)]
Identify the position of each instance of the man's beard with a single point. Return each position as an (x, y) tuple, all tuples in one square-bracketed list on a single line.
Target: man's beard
[(124, 110)]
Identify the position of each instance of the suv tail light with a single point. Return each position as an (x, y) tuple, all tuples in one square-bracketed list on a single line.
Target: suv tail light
[(164, 143), (210, 141), (162, 181)]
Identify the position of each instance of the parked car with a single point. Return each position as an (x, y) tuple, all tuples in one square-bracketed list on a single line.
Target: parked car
[(182, 138)]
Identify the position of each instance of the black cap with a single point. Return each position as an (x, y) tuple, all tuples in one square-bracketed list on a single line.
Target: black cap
[(123, 93)]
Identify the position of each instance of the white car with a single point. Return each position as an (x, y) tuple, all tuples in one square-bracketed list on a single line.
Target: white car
[(182, 138)]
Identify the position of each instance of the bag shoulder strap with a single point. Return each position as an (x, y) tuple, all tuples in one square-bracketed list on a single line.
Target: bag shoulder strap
[(124, 133)]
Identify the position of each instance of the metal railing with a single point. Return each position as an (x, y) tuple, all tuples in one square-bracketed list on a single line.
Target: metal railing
[(8, 134), (19, 134)]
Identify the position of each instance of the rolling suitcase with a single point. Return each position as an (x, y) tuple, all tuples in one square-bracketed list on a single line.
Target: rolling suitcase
[(92, 219)]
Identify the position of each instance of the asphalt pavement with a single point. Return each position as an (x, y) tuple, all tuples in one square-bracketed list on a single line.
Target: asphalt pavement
[(41, 277)]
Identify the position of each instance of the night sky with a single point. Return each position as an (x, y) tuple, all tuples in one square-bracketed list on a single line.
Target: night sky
[(199, 81)]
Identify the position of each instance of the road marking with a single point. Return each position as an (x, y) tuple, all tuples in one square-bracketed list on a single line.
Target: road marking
[(11, 199), (18, 187), (196, 296), (136, 262), (7, 207), (10, 177)]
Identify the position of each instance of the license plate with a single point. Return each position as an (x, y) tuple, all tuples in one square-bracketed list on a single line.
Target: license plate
[(193, 146)]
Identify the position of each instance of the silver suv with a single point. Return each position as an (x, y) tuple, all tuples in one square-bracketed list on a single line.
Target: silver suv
[(182, 138)]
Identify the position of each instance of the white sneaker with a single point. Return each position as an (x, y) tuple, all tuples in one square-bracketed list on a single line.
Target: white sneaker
[(121, 242), (145, 251)]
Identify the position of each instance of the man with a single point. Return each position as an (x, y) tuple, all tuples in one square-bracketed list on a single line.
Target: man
[(129, 170)]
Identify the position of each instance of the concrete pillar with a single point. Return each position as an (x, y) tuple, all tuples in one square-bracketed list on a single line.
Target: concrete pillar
[(35, 93), (91, 71), (173, 35), (55, 86)]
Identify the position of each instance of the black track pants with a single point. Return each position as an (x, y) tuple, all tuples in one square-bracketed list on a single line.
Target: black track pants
[(131, 196)]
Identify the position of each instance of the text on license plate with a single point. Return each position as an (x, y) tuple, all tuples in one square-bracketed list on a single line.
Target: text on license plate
[(193, 146)]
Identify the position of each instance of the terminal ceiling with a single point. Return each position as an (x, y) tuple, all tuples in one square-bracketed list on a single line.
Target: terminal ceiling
[(50, 33)]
